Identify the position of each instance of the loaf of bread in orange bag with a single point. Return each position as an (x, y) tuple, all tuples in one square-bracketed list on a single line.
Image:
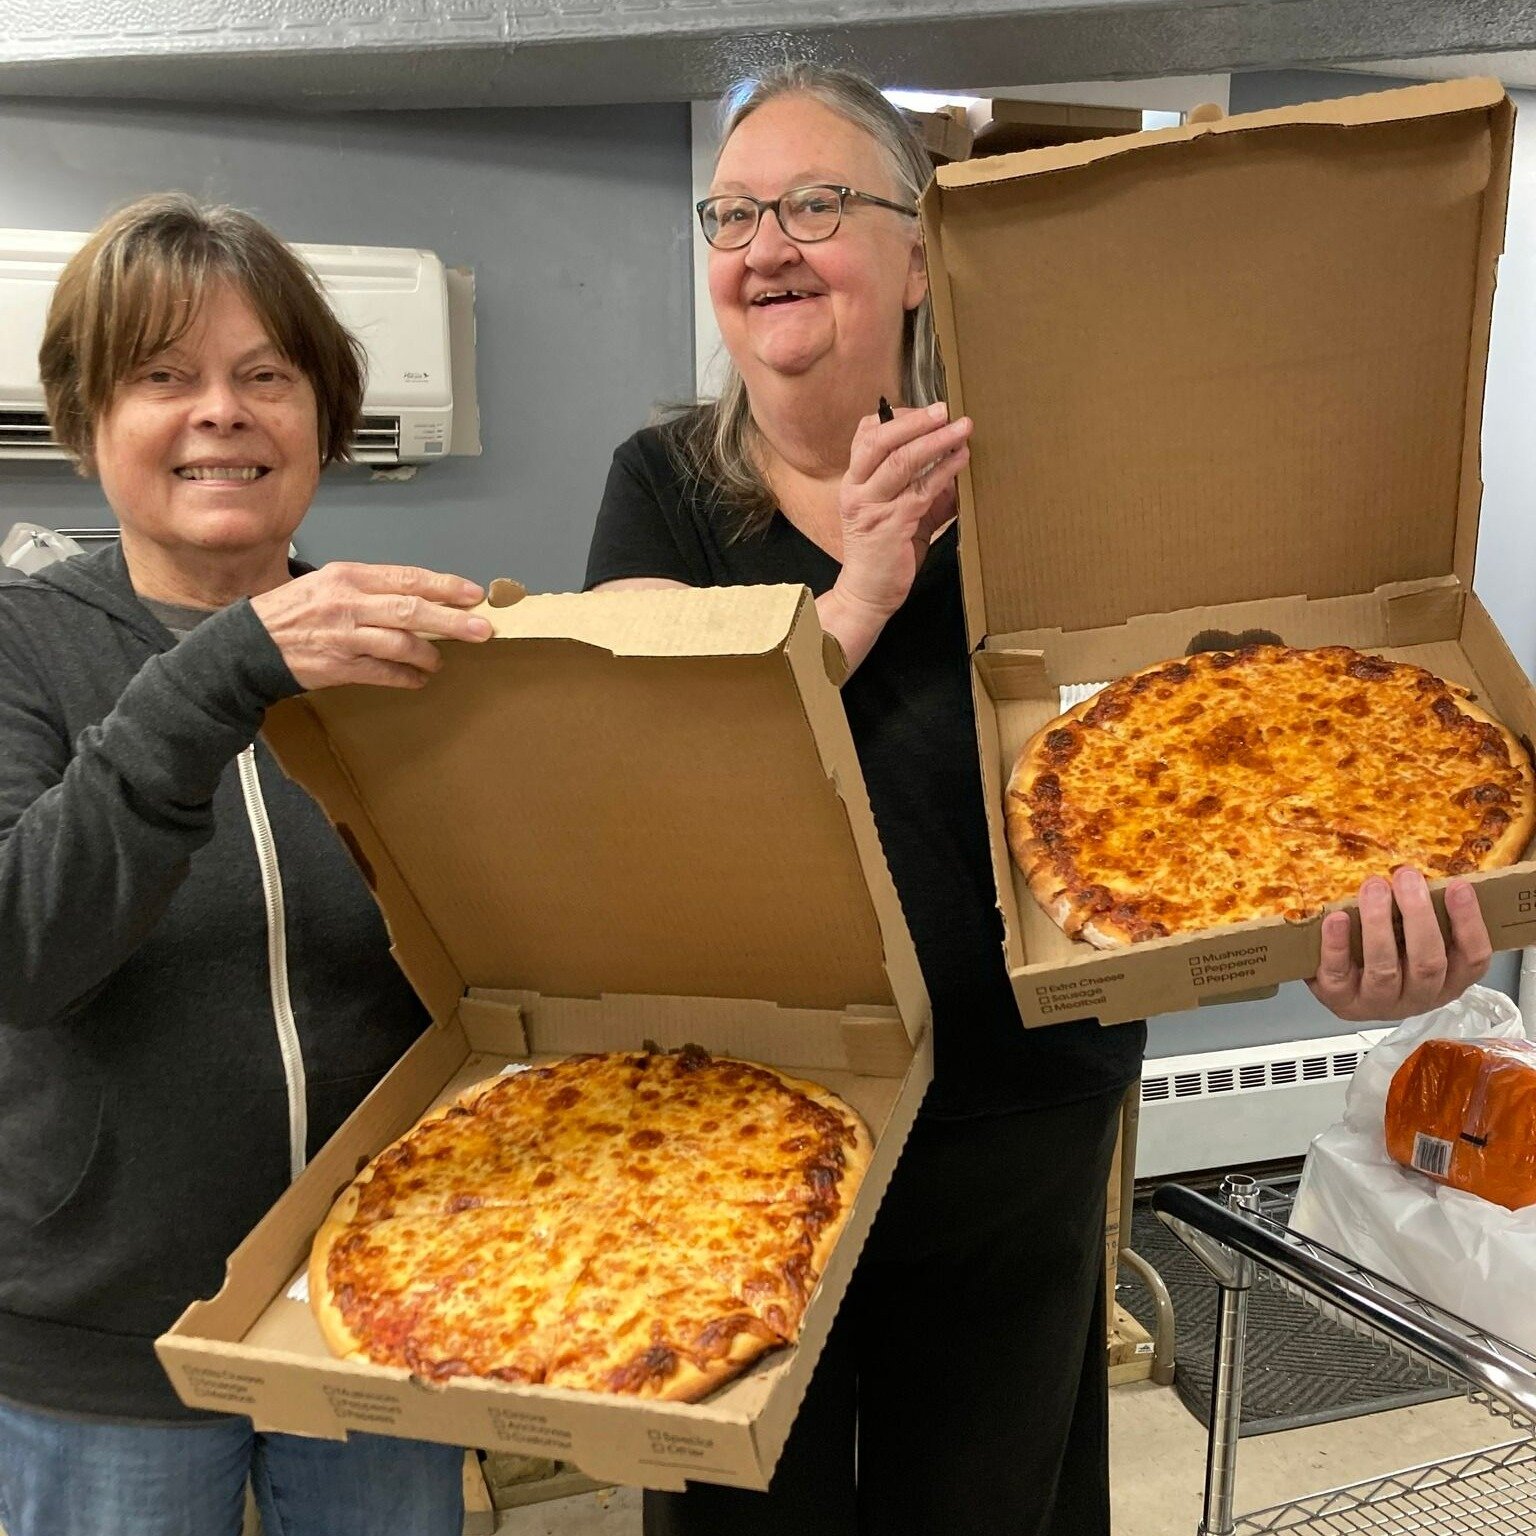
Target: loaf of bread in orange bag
[(1464, 1112)]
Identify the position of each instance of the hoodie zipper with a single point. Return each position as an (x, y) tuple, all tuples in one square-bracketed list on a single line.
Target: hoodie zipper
[(277, 962)]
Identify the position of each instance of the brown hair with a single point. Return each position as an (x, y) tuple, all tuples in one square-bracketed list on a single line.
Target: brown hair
[(137, 284), (713, 441)]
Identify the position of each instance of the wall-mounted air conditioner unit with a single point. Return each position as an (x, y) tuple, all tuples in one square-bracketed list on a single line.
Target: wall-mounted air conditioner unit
[(395, 301)]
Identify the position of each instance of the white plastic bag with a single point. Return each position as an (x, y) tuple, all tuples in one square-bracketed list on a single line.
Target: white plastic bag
[(1467, 1255), (28, 547)]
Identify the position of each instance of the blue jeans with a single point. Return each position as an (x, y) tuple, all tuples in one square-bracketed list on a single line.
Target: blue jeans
[(90, 1477)]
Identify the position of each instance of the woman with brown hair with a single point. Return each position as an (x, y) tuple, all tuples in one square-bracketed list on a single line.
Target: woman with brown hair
[(197, 987), (963, 1391)]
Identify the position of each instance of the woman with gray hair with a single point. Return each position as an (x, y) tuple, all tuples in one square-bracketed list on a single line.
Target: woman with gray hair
[(197, 987), (963, 1389)]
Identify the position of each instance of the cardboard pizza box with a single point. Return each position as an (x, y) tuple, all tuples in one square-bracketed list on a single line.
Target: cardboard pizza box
[(1225, 377), (1003, 125), (945, 132), (629, 816)]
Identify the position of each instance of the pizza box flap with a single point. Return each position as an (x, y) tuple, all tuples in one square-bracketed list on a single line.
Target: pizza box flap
[(1229, 361), (633, 793)]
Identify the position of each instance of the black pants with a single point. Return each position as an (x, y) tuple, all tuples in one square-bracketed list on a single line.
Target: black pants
[(965, 1374)]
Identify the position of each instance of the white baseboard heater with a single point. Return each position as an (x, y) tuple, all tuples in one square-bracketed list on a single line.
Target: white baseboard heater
[(1218, 1109)]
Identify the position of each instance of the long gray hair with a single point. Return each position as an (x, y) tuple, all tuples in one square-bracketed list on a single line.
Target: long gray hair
[(714, 441)]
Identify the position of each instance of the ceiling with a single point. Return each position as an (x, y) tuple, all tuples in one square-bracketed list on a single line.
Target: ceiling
[(330, 54)]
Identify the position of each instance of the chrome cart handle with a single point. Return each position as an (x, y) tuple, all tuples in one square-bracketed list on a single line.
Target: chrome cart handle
[(1484, 1361)]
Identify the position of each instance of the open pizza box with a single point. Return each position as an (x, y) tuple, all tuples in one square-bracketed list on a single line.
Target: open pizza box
[(629, 816), (1224, 377)]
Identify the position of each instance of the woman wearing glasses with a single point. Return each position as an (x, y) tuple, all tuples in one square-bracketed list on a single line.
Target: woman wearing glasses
[(965, 1376)]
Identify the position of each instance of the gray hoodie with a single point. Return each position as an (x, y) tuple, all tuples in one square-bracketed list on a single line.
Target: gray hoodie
[(163, 1066)]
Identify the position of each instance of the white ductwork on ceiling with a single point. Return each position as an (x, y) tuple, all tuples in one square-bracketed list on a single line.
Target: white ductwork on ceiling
[(417, 53)]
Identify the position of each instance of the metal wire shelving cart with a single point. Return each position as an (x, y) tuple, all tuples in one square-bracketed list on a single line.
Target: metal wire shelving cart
[(1243, 1237)]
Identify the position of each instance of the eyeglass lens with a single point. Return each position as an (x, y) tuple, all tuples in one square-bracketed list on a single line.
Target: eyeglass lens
[(806, 213)]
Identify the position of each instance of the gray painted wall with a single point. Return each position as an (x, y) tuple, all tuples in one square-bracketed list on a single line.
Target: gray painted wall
[(574, 220), (1262, 89)]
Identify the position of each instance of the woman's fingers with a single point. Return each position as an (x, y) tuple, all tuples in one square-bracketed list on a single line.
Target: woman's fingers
[(1471, 948), (874, 440), (934, 500), (415, 613), (1381, 977), (400, 646), (1337, 983), (351, 623), (385, 674), (1423, 961), (1404, 973), (911, 465), (406, 581), (896, 494)]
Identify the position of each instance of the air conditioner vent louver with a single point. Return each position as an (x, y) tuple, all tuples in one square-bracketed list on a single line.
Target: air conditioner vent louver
[(1253, 1076), (1314, 1067), (1220, 1081), (377, 440), (1154, 1089), (27, 432)]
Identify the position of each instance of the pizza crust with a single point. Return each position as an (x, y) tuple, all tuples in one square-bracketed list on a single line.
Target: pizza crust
[(681, 1380), (1104, 935), (1029, 854), (863, 1148), (339, 1338), (1510, 846), (692, 1381)]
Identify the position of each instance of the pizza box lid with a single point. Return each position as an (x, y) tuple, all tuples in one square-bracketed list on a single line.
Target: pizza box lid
[(629, 795), (1233, 360)]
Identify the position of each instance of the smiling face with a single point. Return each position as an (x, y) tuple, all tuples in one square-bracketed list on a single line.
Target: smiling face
[(211, 447), (794, 310)]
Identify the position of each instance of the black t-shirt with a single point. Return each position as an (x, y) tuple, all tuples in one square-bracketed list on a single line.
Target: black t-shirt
[(910, 710)]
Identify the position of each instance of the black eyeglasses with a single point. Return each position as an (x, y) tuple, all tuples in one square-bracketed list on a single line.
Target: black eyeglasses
[(805, 214)]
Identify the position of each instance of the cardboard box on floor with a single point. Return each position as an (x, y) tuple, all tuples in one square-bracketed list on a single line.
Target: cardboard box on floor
[(629, 816), (1225, 377)]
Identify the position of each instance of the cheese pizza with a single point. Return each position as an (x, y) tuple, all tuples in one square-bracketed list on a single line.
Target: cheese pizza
[(1259, 782), (644, 1222)]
